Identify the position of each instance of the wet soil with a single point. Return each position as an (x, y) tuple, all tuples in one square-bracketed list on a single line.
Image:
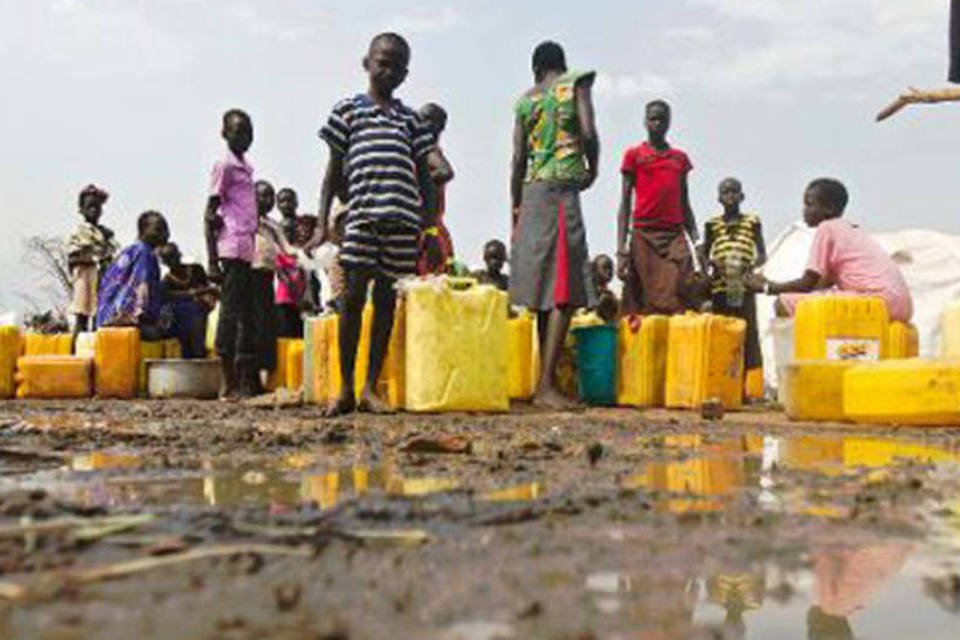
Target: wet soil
[(602, 524)]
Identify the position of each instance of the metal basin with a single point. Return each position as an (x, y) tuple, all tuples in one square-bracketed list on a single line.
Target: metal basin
[(195, 379)]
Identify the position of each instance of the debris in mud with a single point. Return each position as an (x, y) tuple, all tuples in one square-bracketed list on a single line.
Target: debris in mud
[(287, 596), (438, 443), (945, 591), (594, 452)]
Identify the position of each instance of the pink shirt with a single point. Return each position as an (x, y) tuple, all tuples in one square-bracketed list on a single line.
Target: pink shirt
[(850, 260), (232, 181)]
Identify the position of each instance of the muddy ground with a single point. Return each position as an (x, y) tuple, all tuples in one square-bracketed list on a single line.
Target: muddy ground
[(211, 520)]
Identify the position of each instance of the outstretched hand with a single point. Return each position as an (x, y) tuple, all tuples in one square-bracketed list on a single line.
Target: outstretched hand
[(755, 282)]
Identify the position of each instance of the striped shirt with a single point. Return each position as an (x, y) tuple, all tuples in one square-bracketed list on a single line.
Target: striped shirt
[(734, 240), (381, 147)]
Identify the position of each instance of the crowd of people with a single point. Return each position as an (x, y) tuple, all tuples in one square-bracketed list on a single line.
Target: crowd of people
[(381, 219)]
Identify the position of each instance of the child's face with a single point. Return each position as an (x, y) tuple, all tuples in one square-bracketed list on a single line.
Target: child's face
[(386, 65), (287, 203), (265, 198), (815, 208), (603, 270), (238, 133), (304, 230), (730, 195), (156, 232), (658, 121), (494, 257), (91, 209), (435, 120), (170, 256)]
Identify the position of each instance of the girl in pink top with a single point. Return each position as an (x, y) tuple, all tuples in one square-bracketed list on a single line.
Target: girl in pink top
[(843, 260)]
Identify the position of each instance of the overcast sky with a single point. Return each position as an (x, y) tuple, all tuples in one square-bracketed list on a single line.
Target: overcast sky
[(128, 94)]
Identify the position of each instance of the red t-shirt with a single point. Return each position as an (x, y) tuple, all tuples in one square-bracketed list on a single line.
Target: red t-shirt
[(658, 175)]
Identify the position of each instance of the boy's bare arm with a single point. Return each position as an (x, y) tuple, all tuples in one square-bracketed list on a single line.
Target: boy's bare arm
[(212, 224), (588, 129), (518, 170), (332, 184), (689, 220), (428, 190), (441, 171), (761, 245), (623, 221), (809, 281)]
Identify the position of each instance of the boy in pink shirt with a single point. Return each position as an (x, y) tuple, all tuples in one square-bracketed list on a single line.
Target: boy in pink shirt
[(843, 260), (231, 223)]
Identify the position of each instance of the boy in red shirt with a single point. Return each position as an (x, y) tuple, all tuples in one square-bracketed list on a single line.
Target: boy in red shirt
[(654, 260)]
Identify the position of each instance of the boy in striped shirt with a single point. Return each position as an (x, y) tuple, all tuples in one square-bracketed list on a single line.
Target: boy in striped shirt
[(383, 163)]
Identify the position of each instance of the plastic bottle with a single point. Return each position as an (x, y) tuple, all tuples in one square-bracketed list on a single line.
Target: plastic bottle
[(733, 276)]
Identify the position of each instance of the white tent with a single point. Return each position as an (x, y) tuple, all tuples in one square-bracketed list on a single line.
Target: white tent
[(930, 262)]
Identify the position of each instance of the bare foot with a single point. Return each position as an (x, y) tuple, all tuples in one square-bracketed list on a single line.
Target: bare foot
[(370, 402), (343, 405), (553, 400)]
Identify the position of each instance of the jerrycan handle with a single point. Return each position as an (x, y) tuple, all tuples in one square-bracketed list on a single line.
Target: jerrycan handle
[(461, 283)]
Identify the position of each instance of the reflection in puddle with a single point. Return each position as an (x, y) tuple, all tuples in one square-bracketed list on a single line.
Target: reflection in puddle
[(698, 474), (123, 481), (105, 461), (846, 591), (479, 630)]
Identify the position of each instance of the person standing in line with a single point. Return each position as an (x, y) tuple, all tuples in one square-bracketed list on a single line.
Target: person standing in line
[(231, 228), (556, 153), (655, 218), (90, 250), (733, 247), (384, 162)]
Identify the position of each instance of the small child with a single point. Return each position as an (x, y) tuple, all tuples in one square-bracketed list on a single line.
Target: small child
[(436, 245), (843, 259), (231, 223), (287, 205), (655, 261), (291, 280), (270, 244), (190, 297), (90, 250), (383, 156), (732, 247), (607, 304), (494, 256)]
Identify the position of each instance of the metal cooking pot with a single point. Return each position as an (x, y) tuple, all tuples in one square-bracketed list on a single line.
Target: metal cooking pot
[(196, 379)]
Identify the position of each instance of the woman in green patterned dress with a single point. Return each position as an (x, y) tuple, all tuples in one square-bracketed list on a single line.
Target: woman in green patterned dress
[(555, 156)]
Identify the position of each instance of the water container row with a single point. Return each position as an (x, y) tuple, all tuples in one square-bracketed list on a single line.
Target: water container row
[(908, 392), (108, 363)]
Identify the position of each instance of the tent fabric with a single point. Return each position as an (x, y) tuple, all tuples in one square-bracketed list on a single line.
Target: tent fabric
[(930, 262)]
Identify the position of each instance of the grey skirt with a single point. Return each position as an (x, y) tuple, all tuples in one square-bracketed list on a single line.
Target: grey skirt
[(549, 261)]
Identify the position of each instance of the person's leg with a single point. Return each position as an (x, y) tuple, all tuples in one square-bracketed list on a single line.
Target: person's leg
[(384, 305), (246, 363), (226, 341), (548, 395), (81, 323), (357, 279), (265, 323), (543, 323)]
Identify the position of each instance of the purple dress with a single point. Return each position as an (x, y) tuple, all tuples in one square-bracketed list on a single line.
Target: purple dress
[(130, 289)]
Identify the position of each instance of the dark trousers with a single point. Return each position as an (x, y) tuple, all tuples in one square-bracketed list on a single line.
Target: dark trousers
[(235, 337), (264, 319), (289, 321), (752, 356)]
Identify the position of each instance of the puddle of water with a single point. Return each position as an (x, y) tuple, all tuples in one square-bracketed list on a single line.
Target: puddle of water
[(479, 630), (702, 475), (115, 478), (878, 591)]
